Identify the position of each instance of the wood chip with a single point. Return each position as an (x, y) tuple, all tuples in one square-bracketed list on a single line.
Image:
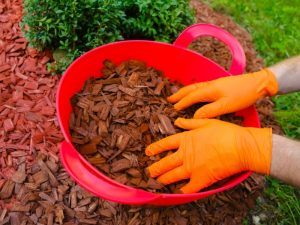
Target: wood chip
[(4, 68), (32, 85), (133, 79), (7, 189), (134, 172), (159, 88), (105, 213), (122, 141), (120, 165), (167, 127), (59, 215), (18, 207), (73, 199), (122, 69), (50, 219), (52, 166), (19, 177), (40, 177), (46, 197), (15, 218), (88, 221), (52, 178), (88, 149), (96, 89), (127, 91), (93, 206), (8, 125), (153, 184)]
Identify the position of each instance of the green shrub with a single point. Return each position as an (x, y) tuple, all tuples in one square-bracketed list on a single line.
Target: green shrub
[(76, 26), (72, 24), (160, 20)]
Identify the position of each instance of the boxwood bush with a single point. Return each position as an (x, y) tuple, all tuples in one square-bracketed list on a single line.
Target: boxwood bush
[(72, 27), (160, 20)]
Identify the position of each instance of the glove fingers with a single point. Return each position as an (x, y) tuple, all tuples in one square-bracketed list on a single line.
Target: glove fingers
[(213, 109), (182, 93), (164, 165), (191, 124), (168, 143), (197, 182), (202, 94), (177, 174)]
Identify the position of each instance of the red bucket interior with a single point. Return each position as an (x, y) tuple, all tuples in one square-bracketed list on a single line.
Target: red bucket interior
[(177, 64)]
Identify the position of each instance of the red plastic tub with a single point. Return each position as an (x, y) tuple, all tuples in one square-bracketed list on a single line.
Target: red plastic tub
[(177, 63)]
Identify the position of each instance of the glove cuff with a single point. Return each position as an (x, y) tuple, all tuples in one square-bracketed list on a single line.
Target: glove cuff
[(259, 151), (272, 84)]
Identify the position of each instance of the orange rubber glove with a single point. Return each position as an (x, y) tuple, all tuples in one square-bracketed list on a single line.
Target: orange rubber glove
[(227, 94), (210, 151)]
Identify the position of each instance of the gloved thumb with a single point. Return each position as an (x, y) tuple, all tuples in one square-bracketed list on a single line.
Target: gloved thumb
[(197, 182), (191, 124), (213, 109)]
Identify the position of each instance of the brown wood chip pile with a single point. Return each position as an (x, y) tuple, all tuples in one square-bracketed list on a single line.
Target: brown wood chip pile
[(116, 116), (35, 188)]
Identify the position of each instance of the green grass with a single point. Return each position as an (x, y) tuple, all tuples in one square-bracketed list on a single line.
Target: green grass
[(288, 113), (288, 202), (274, 25), (275, 28)]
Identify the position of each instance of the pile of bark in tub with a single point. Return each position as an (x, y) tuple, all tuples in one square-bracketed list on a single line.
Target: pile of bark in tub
[(116, 116)]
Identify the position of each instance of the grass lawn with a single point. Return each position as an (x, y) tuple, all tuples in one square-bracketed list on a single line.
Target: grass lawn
[(275, 28)]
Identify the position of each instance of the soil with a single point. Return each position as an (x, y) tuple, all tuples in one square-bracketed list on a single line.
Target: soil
[(35, 188)]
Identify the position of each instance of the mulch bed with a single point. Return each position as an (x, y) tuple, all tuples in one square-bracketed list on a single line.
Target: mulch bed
[(34, 187)]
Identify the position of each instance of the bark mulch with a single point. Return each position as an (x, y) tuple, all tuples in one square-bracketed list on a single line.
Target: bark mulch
[(34, 187), (116, 116)]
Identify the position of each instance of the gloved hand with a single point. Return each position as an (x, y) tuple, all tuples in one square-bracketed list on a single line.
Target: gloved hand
[(210, 151), (227, 94)]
